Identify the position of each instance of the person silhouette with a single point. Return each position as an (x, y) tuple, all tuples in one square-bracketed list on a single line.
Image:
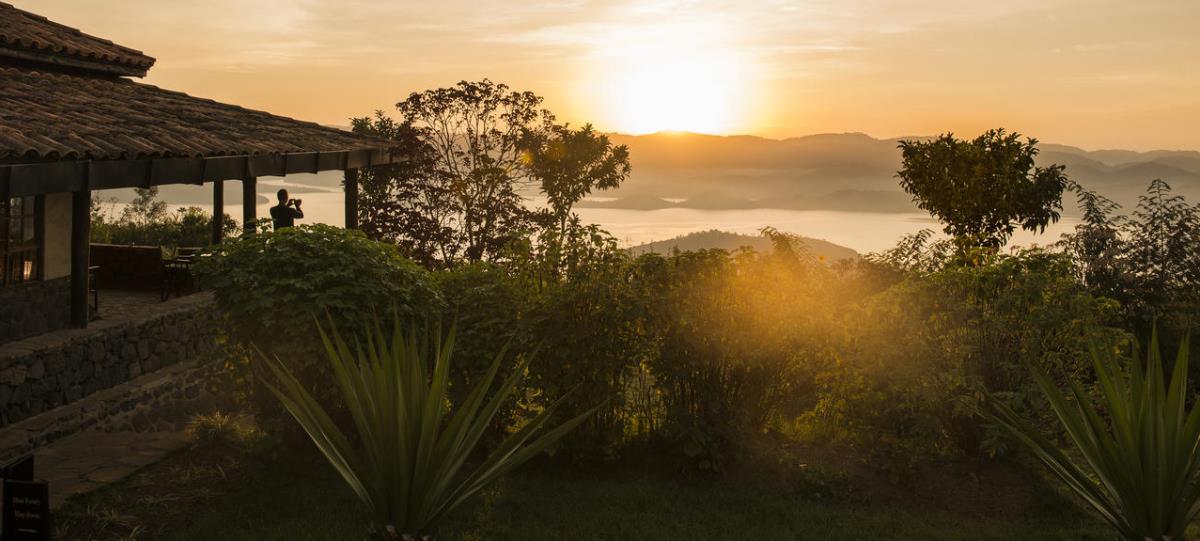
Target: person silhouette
[(286, 212)]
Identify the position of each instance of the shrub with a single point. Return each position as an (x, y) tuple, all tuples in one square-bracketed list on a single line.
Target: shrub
[(908, 378), (270, 287), (147, 222), (406, 458), (219, 430), (588, 319), (739, 347), (1137, 463)]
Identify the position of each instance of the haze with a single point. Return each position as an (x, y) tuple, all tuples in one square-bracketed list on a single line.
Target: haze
[(1096, 74)]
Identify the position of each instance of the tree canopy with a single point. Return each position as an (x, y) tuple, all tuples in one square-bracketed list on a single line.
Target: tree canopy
[(472, 153), (982, 189)]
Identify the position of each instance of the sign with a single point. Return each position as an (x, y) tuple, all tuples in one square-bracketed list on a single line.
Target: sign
[(26, 511)]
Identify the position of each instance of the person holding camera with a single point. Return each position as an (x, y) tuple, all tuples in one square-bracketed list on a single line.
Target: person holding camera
[(285, 213)]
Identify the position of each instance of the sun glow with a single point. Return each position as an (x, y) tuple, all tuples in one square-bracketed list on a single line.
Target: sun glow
[(682, 78)]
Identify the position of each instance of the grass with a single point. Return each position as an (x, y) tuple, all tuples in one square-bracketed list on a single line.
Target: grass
[(264, 492)]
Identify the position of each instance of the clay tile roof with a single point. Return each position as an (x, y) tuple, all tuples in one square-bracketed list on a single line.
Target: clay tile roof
[(35, 39), (55, 116)]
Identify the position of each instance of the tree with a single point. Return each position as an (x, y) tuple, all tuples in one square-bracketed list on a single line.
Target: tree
[(984, 188), (145, 208), (407, 203), (569, 164), (467, 154), (476, 131), (1164, 251)]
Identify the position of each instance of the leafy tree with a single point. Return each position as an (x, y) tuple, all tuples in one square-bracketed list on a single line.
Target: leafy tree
[(468, 153), (569, 164), (984, 188), (145, 208), (1149, 261), (1097, 245), (408, 203), (476, 131), (1164, 252)]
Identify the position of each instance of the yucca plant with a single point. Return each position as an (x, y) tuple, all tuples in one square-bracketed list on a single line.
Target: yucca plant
[(408, 457), (1138, 445)]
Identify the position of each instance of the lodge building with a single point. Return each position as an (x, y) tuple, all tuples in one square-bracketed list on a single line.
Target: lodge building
[(73, 119)]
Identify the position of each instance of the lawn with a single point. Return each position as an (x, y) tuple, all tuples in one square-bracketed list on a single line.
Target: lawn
[(267, 493)]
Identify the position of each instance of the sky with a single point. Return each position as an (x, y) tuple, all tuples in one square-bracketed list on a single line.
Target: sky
[(1091, 73)]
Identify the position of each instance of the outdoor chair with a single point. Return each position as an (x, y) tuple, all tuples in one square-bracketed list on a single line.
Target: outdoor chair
[(176, 272)]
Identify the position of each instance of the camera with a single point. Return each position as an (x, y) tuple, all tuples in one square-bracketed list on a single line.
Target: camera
[(294, 202)]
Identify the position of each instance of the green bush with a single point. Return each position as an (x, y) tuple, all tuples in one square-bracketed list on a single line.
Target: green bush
[(908, 378), (271, 286), (1136, 460), (146, 222), (740, 347), (407, 457)]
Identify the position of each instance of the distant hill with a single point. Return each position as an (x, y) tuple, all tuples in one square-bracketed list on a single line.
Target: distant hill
[(835, 171), (732, 241), (846, 171), (842, 200)]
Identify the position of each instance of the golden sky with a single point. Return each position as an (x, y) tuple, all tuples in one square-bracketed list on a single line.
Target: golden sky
[(1092, 73)]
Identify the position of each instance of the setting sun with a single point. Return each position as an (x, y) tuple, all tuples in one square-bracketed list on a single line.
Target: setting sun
[(677, 90), (685, 77)]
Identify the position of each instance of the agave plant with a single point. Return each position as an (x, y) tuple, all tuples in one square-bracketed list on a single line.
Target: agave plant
[(1138, 446), (408, 459)]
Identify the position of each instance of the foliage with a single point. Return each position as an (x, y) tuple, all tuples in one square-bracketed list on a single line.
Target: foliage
[(908, 380), (568, 164), (984, 188), (742, 339), (470, 151), (407, 462), (588, 314), (146, 222), (270, 285), (1138, 461), (476, 131), (1149, 261), (410, 202), (220, 430)]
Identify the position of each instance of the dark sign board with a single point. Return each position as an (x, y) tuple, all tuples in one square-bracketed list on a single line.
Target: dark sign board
[(26, 511)]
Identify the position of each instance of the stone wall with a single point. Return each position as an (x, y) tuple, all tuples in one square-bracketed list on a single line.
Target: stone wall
[(34, 308), (47, 371)]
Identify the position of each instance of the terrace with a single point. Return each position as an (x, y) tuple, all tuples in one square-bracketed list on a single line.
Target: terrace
[(74, 120)]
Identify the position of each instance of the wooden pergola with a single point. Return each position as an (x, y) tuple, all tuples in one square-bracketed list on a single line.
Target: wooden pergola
[(72, 121)]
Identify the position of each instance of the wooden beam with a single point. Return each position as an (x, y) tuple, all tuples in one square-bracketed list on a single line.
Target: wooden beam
[(81, 225), (218, 219), (249, 203), (69, 176), (351, 198)]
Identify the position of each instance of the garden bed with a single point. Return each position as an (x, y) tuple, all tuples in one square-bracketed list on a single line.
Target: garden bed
[(268, 491)]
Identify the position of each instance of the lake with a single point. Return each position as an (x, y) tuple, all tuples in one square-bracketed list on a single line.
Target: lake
[(862, 231)]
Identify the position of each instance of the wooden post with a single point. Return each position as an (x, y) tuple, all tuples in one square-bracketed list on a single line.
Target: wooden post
[(249, 203), (218, 220), (81, 230), (352, 199)]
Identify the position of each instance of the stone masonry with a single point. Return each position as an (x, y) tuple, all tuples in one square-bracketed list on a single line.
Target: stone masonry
[(34, 308), (46, 371)]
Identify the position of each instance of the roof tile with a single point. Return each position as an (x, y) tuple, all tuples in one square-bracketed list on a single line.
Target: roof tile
[(58, 117), (34, 38)]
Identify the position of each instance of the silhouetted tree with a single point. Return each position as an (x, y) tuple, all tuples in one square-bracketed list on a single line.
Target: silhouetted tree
[(476, 131), (984, 188), (466, 154), (568, 164), (409, 203)]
